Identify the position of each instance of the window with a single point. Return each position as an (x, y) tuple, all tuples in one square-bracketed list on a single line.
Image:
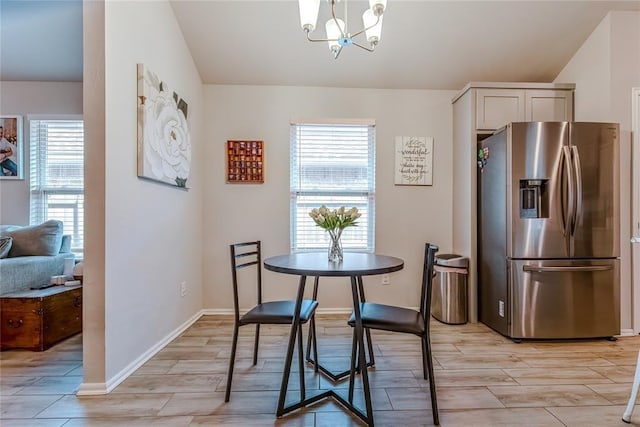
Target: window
[(332, 164), (57, 175)]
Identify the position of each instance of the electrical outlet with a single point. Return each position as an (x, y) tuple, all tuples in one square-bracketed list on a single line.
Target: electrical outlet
[(183, 289), (385, 279), (501, 308)]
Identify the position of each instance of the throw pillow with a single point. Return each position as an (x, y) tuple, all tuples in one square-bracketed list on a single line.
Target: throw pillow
[(43, 239), (5, 246)]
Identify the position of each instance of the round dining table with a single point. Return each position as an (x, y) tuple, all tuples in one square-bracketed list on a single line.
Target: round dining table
[(355, 265)]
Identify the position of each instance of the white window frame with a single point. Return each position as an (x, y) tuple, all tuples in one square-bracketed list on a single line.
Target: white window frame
[(303, 198), (36, 216)]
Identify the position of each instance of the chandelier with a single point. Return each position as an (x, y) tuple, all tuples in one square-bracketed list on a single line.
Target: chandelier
[(338, 31)]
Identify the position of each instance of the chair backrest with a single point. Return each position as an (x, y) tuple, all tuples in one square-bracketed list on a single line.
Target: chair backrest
[(427, 279), (245, 254)]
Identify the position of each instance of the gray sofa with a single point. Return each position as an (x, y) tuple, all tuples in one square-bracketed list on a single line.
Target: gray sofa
[(30, 255)]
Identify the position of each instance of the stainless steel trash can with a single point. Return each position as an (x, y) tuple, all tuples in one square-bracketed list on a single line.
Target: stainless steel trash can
[(449, 289)]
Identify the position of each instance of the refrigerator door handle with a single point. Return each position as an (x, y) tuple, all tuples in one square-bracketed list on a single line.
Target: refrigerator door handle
[(567, 201), (536, 269), (577, 214)]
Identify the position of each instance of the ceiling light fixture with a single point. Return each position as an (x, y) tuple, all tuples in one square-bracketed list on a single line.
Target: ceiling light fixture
[(338, 35)]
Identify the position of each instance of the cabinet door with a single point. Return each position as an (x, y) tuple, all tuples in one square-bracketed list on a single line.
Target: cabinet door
[(549, 105), (497, 107)]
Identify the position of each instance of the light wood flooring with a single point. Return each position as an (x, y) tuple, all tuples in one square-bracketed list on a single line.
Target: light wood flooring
[(483, 379)]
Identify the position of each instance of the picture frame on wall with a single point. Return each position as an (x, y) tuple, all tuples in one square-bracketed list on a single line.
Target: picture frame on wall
[(245, 162), (413, 160), (11, 152), (164, 139)]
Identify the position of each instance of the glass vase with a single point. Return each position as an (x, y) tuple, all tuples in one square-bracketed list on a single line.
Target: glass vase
[(335, 247)]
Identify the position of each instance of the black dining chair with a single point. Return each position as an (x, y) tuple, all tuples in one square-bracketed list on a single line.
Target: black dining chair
[(404, 320), (248, 254)]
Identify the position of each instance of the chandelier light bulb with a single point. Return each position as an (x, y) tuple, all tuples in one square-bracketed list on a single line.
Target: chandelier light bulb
[(373, 26), (308, 14), (334, 33), (378, 6)]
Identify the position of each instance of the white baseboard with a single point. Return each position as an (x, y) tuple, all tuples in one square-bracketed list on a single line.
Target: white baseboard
[(627, 333), (92, 389), (217, 312), (346, 311)]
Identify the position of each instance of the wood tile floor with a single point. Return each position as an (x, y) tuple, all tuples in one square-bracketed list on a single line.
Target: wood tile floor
[(483, 379)]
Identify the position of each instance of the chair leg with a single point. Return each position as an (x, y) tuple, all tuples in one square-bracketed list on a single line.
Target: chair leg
[(255, 344), (231, 363), (301, 362), (372, 361), (426, 348), (626, 417), (425, 365)]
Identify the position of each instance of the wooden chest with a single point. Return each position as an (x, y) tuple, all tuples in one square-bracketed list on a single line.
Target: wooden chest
[(37, 319)]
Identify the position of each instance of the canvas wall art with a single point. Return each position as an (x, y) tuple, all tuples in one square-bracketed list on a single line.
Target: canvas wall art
[(164, 142), (414, 160), (11, 161), (245, 162)]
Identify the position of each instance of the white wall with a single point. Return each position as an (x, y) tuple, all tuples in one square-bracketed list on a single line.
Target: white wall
[(22, 99), (152, 232), (605, 69), (406, 217)]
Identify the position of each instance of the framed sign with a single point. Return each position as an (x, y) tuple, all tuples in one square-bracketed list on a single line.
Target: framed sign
[(414, 160), (11, 161), (245, 162)]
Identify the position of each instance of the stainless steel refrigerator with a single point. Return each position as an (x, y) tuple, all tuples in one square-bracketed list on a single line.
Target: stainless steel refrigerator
[(548, 230)]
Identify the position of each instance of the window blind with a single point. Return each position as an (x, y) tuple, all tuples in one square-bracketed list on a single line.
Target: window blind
[(332, 165), (57, 175)]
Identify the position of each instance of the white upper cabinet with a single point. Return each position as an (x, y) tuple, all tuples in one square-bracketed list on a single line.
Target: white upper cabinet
[(496, 107), (548, 105)]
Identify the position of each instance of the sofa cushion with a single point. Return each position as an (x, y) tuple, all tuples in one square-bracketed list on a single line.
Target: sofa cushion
[(20, 273), (65, 247), (4, 228), (40, 240), (5, 246)]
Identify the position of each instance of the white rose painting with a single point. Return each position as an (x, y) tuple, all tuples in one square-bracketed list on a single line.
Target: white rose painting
[(164, 145)]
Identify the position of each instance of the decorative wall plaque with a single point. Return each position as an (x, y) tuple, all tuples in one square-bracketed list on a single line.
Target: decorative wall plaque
[(245, 162), (414, 160)]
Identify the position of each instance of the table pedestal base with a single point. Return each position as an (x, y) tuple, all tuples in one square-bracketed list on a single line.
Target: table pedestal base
[(357, 359), (325, 394), (335, 377), (354, 266)]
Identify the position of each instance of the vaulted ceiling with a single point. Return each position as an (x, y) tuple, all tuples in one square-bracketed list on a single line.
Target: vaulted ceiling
[(425, 44)]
